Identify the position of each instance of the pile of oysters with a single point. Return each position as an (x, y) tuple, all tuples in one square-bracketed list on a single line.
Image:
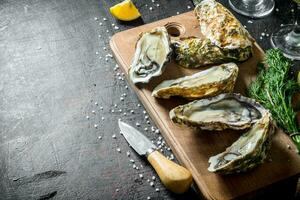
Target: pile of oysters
[(215, 106)]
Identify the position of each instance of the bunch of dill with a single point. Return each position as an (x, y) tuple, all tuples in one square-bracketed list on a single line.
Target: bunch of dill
[(274, 89)]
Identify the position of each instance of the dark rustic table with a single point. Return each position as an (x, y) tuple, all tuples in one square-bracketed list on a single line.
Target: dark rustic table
[(61, 96)]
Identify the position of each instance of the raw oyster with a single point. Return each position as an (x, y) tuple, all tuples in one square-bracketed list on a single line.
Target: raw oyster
[(220, 26), (248, 151), (221, 112), (210, 82), (153, 51), (225, 39), (195, 52)]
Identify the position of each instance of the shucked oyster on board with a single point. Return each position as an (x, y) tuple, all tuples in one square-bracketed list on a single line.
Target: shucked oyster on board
[(210, 82), (225, 39), (248, 151), (153, 50), (225, 111)]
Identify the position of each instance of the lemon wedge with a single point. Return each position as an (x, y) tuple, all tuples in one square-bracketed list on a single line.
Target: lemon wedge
[(125, 11)]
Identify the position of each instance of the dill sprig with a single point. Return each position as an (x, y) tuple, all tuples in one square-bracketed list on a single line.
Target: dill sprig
[(274, 89)]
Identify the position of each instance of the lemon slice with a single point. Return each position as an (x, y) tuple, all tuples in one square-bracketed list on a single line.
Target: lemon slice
[(125, 11)]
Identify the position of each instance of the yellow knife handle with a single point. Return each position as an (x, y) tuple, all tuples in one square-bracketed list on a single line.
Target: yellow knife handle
[(175, 177)]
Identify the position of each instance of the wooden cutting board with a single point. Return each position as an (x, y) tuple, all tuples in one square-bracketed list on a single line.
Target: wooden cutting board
[(193, 147)]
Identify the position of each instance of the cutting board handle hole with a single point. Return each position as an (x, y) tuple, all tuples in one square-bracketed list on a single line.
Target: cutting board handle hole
[(175, 29)]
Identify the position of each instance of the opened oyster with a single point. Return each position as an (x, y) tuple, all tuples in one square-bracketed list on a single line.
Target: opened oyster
[(225, 38), (152, 52), (221, 112), (210, 82), (248, 151)]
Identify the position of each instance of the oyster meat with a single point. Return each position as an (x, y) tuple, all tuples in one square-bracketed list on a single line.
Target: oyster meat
[(225, 39), (153, 50), (225, 111), (248, 151), (210, 82)]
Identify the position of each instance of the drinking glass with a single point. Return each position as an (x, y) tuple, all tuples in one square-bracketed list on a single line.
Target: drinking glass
[(252, 8), (287, 39)]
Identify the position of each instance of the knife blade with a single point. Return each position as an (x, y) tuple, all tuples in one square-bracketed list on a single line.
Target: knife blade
[(175, 177), (137, 141)]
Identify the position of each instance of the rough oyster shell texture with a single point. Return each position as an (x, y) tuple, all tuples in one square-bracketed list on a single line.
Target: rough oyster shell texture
[(195, 52), (220, 26), (248, 151), (210, 82), (225, 38), (153, 50), (225, 111)]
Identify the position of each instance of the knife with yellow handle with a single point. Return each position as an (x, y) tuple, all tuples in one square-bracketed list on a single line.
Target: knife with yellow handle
[(175, 177)]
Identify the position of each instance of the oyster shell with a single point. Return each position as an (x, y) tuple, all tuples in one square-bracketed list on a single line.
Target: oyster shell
[(210, 82), (248, 151), (153, 51), (220, 26), (225, 38), (221, 112), (195, 52)]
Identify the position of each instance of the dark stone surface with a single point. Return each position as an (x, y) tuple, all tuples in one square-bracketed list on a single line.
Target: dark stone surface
[(51, 75)]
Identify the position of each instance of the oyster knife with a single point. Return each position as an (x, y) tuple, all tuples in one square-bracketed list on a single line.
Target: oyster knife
[(175, 177)]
